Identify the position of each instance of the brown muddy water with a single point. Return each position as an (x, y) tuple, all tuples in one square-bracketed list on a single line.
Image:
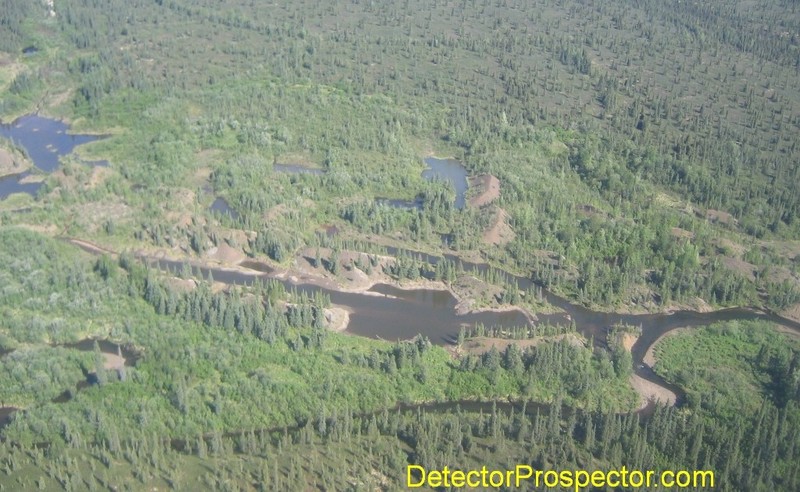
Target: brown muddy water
[(389, 313)]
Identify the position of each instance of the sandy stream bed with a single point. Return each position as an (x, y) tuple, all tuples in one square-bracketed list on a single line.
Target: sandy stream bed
[(647, 389)]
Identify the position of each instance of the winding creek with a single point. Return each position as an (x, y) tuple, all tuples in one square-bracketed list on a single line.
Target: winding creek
[(391, 313)]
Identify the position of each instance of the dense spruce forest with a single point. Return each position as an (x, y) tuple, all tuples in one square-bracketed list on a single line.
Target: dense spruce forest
[(672, 128), (629, 156), (184, 414)]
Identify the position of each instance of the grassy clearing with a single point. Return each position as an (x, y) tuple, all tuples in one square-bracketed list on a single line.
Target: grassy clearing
[(729, 367)]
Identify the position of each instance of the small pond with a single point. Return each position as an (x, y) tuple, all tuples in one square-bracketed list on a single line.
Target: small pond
[(448, 170), (11, 184), (45, 140), (222, 207), (453, 172)]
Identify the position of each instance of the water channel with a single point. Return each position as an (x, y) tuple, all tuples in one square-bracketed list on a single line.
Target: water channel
[(391, 313)]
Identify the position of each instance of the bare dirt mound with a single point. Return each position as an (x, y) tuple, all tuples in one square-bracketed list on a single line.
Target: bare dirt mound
[(113, 362), (590, 211), (499, 232), (182, 285), (226, 254), (337, 318), (628, 339), (11, 164), (679, 233), (651, 391), (648, 390), (489, 190), (720, 216), (740, 266), (98, 176)]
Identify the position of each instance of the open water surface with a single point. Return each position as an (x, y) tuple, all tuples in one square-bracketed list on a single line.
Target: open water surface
[(45, 140)]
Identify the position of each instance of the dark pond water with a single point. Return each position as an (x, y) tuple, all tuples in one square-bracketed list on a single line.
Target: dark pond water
[(448, 170), (297, 169), (5, 415), (529, 408), (222, 207), (453, 172), (45, 140), (107, 347), (11, 184), (502, 407)]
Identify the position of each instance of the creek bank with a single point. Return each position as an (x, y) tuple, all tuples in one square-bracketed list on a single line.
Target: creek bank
[(792, 312), (649, 391), (377, 310), (357, 280), (398, 314), (337, 318), (488, 190), (11, 163), (6, 414), (652, 392)]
